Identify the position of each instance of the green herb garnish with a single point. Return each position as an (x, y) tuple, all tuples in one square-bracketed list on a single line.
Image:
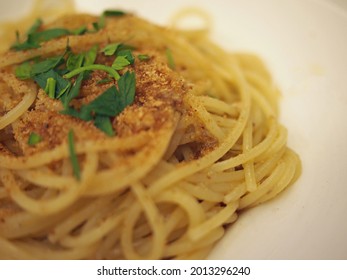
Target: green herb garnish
[(120, 62), (170, 59), (35, 27), (90, 56), (109, 104), (119, 49), (79, 31), (143, 57), (104, 124), (50, 87), (105, 104), (73, 92), (74, 61), (110, 49), (49, 34), (27, 45), (36, 37), (73, 156), (114, 13), (46, 65), (126, 87), (82, 114), (92, 67), (104, 81), (23, 71), (112, 102), (34, 139), (100, 24), (127, 54), (61, 87), (30, 69)]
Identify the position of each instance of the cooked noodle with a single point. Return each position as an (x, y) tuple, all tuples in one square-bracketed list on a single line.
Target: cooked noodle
[(168, 192)]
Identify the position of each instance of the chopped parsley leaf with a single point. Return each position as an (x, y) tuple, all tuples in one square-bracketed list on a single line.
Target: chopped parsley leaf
[(35, 38), (79, 31), (109, 104), (114, 13), (82, 114), (74, 61), (46, 65), (100, 24), (101, 21), (49, 34), (35, 27), (110, 49), (170, 59), (126, 85), (90, 56), (29, 69), (62, 85), (34, 139), (120, 62), (104, 104), (27, 45), (104, 124), (73, 92), (127, 53), (23, 71), (112, 101), (143, 57)]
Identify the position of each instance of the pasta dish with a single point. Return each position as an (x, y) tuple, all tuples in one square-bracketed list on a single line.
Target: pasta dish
[(121, 139)]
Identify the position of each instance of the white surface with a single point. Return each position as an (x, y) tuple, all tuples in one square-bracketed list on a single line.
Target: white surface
[(304, 43)]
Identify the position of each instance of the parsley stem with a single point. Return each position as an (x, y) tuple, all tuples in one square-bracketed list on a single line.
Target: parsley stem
[(105, 68), (73, 156), (50, 87)]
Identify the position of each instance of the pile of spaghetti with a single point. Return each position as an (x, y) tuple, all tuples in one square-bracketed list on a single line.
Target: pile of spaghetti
[(120, 139)]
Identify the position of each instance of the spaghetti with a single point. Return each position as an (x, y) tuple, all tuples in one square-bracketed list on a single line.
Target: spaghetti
[(163, 178)]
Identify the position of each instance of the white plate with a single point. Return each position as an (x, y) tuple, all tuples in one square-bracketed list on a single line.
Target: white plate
[(304, 43)]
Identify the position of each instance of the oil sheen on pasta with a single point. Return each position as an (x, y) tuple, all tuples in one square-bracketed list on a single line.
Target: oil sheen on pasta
[(199, 143)]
